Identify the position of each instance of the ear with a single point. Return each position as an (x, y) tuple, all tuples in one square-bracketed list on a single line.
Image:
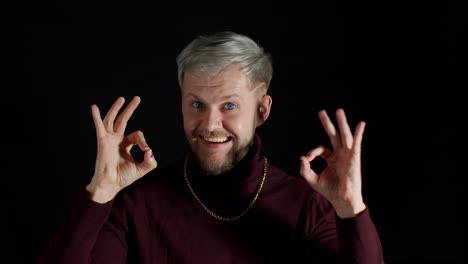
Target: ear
[(264, 108)]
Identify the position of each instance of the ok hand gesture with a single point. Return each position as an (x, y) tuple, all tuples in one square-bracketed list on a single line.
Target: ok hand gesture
[(340, 181), (115, 167)]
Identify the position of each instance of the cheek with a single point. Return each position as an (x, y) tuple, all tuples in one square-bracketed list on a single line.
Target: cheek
[(189, 123), (239, 125)]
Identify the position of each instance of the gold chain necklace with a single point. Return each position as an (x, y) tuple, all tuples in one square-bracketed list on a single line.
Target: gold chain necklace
[(211, 212)]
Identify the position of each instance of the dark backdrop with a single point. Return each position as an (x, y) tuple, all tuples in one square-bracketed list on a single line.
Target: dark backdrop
[(397, 66)]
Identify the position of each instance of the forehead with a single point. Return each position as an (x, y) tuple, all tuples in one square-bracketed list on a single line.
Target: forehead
[(229, 81)]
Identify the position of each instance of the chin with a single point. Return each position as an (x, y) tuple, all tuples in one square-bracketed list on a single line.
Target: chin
[(216, 165)]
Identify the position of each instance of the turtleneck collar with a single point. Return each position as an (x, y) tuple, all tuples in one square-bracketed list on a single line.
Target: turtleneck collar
[(229, 192)]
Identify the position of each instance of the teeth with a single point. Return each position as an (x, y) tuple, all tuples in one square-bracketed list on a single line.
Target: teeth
[(216, 139)]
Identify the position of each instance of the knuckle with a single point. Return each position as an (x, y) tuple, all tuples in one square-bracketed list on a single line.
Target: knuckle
[(139, 133)]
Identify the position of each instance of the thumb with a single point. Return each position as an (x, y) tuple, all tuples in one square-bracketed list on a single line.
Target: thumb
[(307, 172), (148, 164)]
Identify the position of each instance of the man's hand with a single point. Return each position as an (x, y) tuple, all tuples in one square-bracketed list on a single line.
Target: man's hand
[(115, 167), (340, 181)]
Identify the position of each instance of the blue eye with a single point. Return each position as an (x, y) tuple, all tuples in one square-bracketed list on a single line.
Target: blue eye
[(230, 106), (197, 104)]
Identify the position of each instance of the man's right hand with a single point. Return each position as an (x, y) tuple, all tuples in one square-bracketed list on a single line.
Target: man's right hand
[(115, 167)]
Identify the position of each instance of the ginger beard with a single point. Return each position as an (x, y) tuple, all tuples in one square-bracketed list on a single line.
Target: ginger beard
[(218, 160)]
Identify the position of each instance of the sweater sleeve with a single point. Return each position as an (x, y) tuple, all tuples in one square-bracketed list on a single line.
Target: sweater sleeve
[(359, 241), (331, 239), (86, 236)]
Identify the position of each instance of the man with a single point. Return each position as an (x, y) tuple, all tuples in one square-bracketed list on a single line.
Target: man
[(223, 202)]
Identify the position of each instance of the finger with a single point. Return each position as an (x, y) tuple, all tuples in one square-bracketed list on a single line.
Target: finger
[(100, 129), (122, 119), (329, 128), (307, 172), (112, 113), (320, 151), (148, 164), (345, 131), (358, 134), (136, 138)]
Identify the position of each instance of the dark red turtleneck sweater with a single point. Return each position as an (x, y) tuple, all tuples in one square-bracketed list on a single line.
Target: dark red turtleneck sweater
[(157, 220)]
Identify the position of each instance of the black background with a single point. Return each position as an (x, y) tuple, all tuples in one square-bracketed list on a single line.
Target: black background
[(399, 66)]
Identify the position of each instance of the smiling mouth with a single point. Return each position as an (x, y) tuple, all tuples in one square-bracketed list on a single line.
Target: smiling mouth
[(215, 140)]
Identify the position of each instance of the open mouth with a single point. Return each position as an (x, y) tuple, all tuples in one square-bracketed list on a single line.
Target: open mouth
[(215, 140)]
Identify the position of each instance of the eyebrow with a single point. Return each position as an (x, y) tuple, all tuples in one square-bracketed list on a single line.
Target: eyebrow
[(235, 96)]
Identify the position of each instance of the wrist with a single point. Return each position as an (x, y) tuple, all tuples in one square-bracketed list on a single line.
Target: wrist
[(350, 210), (101, 195)]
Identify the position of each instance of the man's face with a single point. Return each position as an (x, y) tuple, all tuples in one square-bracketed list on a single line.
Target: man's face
[(220, 116)]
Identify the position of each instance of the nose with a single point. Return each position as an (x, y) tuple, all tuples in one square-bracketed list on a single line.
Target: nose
[(212, 120)]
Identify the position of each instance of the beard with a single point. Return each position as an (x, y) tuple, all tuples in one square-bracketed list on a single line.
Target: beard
[(215, 163)]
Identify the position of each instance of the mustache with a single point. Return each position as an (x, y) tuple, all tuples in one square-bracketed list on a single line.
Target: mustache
[(214, 134)]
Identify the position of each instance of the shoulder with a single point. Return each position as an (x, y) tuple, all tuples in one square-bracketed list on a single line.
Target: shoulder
[(280, 176), (161, 179), (295, 183), (161, 173)]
